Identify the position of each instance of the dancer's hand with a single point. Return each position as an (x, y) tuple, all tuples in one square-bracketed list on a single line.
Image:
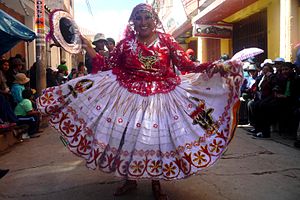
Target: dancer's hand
[(87, 45), (225, 67), (85, 42), (221, 67)]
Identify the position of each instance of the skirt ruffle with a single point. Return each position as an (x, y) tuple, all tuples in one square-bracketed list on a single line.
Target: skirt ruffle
[(163, 136)]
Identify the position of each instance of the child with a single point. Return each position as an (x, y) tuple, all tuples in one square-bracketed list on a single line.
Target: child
[(27, 115)]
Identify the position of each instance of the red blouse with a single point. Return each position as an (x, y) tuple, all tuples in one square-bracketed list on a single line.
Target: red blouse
[(147, 70)]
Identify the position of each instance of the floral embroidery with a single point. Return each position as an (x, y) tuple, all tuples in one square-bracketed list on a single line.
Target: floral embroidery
[(155, 166), (169, 169), (216, 146), (137, 166), (68, 127), (47, 98), (199, 157)]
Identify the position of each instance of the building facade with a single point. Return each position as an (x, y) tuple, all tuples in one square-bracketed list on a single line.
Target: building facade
[(215, 27), (24, 11)]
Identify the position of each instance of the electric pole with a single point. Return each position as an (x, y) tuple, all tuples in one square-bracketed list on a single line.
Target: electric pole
[(40, 46)]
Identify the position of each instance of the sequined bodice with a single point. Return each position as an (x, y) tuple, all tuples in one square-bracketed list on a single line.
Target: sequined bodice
[(148, 70)]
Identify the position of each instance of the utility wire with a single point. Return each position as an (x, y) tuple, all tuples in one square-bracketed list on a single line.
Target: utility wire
[(89, 7)]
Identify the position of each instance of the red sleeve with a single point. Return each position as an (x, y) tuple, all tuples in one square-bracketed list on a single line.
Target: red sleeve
[(102, 63), (181, 60), (98, 63)]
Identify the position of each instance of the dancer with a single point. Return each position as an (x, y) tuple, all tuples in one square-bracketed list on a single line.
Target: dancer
[(139, 120)]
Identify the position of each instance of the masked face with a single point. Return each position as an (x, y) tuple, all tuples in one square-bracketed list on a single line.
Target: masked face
[(144, 24)]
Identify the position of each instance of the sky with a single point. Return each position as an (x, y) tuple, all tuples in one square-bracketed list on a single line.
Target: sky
[(109, 16)]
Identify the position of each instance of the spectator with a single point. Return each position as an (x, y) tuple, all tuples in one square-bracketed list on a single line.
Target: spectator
[(18, 87), (247, 93), (287, 94), (81, 70), (72, 74), (4, 66), (110, 45), (6, 111), (27, 115), (224, 57), (51, 77), (63, 67), (16, 66), (62, 72), (263, 110), (248, 86), (99, 42), (32, 75), (191, 55)]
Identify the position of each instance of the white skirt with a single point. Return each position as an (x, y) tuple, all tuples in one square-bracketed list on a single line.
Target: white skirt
[(162, 136)]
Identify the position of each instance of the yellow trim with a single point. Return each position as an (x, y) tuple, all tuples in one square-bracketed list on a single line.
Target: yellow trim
[(250, 10), (188, 40), (225, 46), (273, 18)]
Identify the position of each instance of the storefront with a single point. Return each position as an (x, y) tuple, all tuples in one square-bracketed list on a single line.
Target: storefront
[(251, 32), (272, 25)]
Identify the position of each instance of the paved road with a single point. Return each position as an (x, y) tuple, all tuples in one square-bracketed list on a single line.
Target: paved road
[(43, 169)]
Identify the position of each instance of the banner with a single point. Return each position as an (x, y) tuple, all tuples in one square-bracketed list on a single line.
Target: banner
[(175, 17), (39, 14), (217, 31)]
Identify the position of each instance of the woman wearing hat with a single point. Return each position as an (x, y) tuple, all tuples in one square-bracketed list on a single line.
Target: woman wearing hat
[(140, 120), (18, 86)]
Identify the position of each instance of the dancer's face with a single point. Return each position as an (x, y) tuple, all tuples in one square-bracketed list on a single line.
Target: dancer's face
[(144, 23)]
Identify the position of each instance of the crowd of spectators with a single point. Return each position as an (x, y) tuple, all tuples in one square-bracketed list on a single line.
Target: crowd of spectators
[(270, 98), (18, 92)]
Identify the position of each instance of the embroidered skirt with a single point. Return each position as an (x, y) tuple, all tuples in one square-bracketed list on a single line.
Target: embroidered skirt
[(163, 136)]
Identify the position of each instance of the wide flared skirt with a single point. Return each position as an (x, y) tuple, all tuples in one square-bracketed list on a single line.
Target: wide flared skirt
[(163, 136)]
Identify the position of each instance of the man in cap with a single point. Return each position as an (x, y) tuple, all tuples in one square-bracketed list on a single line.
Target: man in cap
[(100, 42)]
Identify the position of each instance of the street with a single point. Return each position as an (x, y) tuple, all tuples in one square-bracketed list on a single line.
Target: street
[(43, 169)]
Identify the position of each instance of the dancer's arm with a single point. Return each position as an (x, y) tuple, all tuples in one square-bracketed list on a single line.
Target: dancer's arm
[(87, 45)]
